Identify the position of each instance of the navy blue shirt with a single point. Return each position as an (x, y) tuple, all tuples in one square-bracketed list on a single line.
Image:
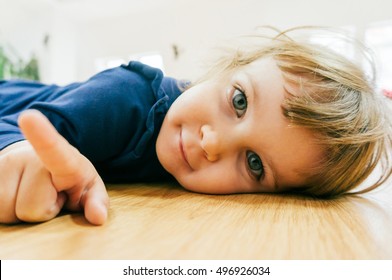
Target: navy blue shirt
[(113, 118)]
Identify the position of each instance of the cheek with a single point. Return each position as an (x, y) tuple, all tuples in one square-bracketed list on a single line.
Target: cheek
[(166, 146), (211, 180), (198, 100), (183, 110)]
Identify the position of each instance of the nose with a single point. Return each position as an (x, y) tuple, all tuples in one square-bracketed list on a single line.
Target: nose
[(210, 143)]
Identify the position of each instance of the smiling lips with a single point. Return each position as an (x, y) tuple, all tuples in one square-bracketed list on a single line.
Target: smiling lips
[(183, 153)]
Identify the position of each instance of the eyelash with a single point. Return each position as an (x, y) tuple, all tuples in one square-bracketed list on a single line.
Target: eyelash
[(238, 92), (258, 174)]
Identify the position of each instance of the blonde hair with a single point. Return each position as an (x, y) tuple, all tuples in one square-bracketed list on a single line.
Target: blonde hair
[(335, 100)]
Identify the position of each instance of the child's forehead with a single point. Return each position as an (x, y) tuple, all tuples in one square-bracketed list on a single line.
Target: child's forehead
[(261, 63), (256, 71), (251, 68)]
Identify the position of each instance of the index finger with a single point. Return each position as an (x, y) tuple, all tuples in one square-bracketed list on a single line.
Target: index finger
[(57, 155)]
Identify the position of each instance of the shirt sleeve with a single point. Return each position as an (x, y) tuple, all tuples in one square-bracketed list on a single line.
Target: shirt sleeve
[(102, 116), (9, 133)]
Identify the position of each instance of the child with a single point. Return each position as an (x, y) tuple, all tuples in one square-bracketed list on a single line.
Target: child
[(283, 116)]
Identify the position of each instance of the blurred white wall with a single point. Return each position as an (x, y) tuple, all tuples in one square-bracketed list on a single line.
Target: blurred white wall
[(77, 32)]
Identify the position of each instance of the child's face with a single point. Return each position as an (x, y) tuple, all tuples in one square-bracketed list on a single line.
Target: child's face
[(216, 140)]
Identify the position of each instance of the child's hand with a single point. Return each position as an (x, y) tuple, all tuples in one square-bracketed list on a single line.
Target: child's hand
[(39, 176)]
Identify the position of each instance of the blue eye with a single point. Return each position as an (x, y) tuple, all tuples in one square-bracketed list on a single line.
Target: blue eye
[(255, 164), (240, 103)]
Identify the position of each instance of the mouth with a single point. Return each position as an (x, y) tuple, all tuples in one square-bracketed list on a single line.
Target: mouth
[(183, 152)]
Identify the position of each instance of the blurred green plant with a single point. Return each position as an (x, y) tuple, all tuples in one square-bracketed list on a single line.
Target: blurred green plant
[(17, 68)]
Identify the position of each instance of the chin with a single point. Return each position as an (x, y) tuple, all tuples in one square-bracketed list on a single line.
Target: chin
[(197, 188)]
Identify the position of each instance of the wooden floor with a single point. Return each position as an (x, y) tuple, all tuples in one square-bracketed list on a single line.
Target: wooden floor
[(167, 222)]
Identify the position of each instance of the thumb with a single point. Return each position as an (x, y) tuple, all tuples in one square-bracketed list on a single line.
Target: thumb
[(71, 172), (58, 156), (95, 202)]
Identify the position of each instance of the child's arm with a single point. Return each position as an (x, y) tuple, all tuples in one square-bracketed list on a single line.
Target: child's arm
[(42, 174)]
